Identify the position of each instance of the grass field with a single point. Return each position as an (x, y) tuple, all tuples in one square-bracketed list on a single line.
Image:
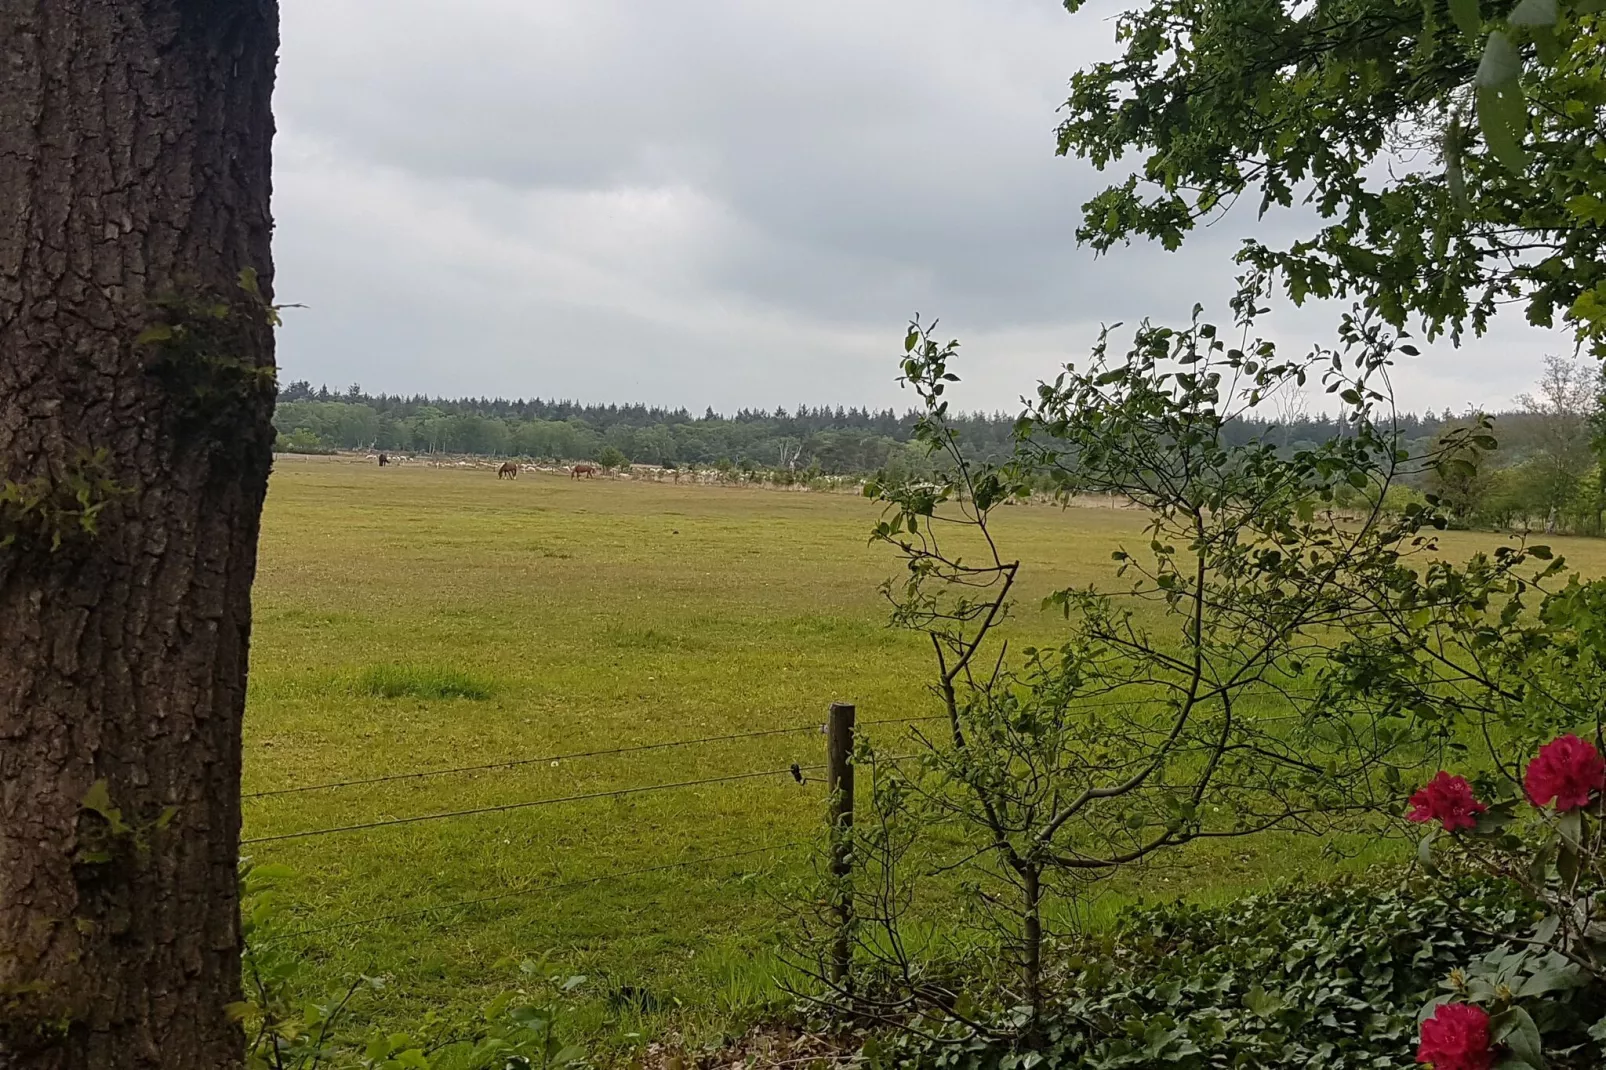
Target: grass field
[(414, 618)]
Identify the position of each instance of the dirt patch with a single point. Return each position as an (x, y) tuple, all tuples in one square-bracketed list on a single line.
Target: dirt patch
[(764, 1047)]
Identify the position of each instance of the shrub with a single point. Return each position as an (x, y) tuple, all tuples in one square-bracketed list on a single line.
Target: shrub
[(1323, 978), (1539, 999), (301, 440)]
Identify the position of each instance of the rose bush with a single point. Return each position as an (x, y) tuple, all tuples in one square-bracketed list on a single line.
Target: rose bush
[(1542, 992)]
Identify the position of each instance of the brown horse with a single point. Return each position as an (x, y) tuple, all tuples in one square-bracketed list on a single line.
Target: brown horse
[(383, 460), (587, 470), (509, 470)]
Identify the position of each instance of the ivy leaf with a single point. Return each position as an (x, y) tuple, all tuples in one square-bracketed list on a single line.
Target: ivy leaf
[(1261, 1003), (98, 800)]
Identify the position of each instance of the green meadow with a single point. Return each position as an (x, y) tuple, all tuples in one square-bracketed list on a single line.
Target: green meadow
[(415, 619)]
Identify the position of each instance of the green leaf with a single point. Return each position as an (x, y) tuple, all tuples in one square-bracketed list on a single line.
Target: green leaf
[(1546, 45), (1588, 207), (1424, 852), (1571, 827), (1261, 1003), (1550, 977), (98, 798), (156, 332), (1466, 16), (1516, 1030)]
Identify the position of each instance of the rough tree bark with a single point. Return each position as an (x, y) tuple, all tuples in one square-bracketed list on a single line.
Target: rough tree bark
[(135, 140)]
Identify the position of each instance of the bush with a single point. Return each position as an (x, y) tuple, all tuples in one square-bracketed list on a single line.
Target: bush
[(1324, 978), (611, 458), (1399, 498), (1540, 998), (301, 440)]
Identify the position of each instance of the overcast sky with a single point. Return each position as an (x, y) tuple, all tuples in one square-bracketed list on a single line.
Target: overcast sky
[(719, 203)]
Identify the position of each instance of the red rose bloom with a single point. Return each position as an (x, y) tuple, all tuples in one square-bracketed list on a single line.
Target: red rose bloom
[(1567, 769), (1446, 799), (1456, 1038)]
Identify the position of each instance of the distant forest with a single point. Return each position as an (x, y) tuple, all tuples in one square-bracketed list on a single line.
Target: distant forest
[(1548, 471), (839, 441)]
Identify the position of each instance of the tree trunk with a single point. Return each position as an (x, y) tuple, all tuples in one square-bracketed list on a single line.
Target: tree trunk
[(1031, 876), (135, 404)]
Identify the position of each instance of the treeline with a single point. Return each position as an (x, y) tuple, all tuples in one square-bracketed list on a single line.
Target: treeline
[(1547, 471), (839, 441), (836, 441)]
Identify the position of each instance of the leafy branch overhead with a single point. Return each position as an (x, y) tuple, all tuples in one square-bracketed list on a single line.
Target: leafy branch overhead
[(1453, 152)]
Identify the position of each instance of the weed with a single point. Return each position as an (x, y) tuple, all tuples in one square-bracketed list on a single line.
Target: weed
[(420, 681)]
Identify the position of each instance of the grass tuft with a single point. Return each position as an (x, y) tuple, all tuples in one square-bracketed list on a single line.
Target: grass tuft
[(420, 681)]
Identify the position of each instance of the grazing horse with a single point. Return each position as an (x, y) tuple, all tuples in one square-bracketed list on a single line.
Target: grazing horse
[(587, 470), (509, 470), (383, 460)]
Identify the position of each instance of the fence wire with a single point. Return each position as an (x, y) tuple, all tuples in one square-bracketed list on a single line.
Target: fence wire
[(514, 763), (793, 770)]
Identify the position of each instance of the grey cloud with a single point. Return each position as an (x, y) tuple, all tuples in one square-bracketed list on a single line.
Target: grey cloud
[(714, 202)]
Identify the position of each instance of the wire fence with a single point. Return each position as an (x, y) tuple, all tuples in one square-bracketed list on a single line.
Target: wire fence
[(615, 793), (796, 771), (514, 763)]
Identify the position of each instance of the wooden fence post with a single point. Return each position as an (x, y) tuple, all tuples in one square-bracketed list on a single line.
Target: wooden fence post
[(839, 781)]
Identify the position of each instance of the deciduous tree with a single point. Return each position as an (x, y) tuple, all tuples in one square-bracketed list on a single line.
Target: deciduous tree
[(136, 394), (1451, 150)]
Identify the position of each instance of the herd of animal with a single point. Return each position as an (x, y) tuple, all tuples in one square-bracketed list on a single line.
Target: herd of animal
[(510, 469)]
